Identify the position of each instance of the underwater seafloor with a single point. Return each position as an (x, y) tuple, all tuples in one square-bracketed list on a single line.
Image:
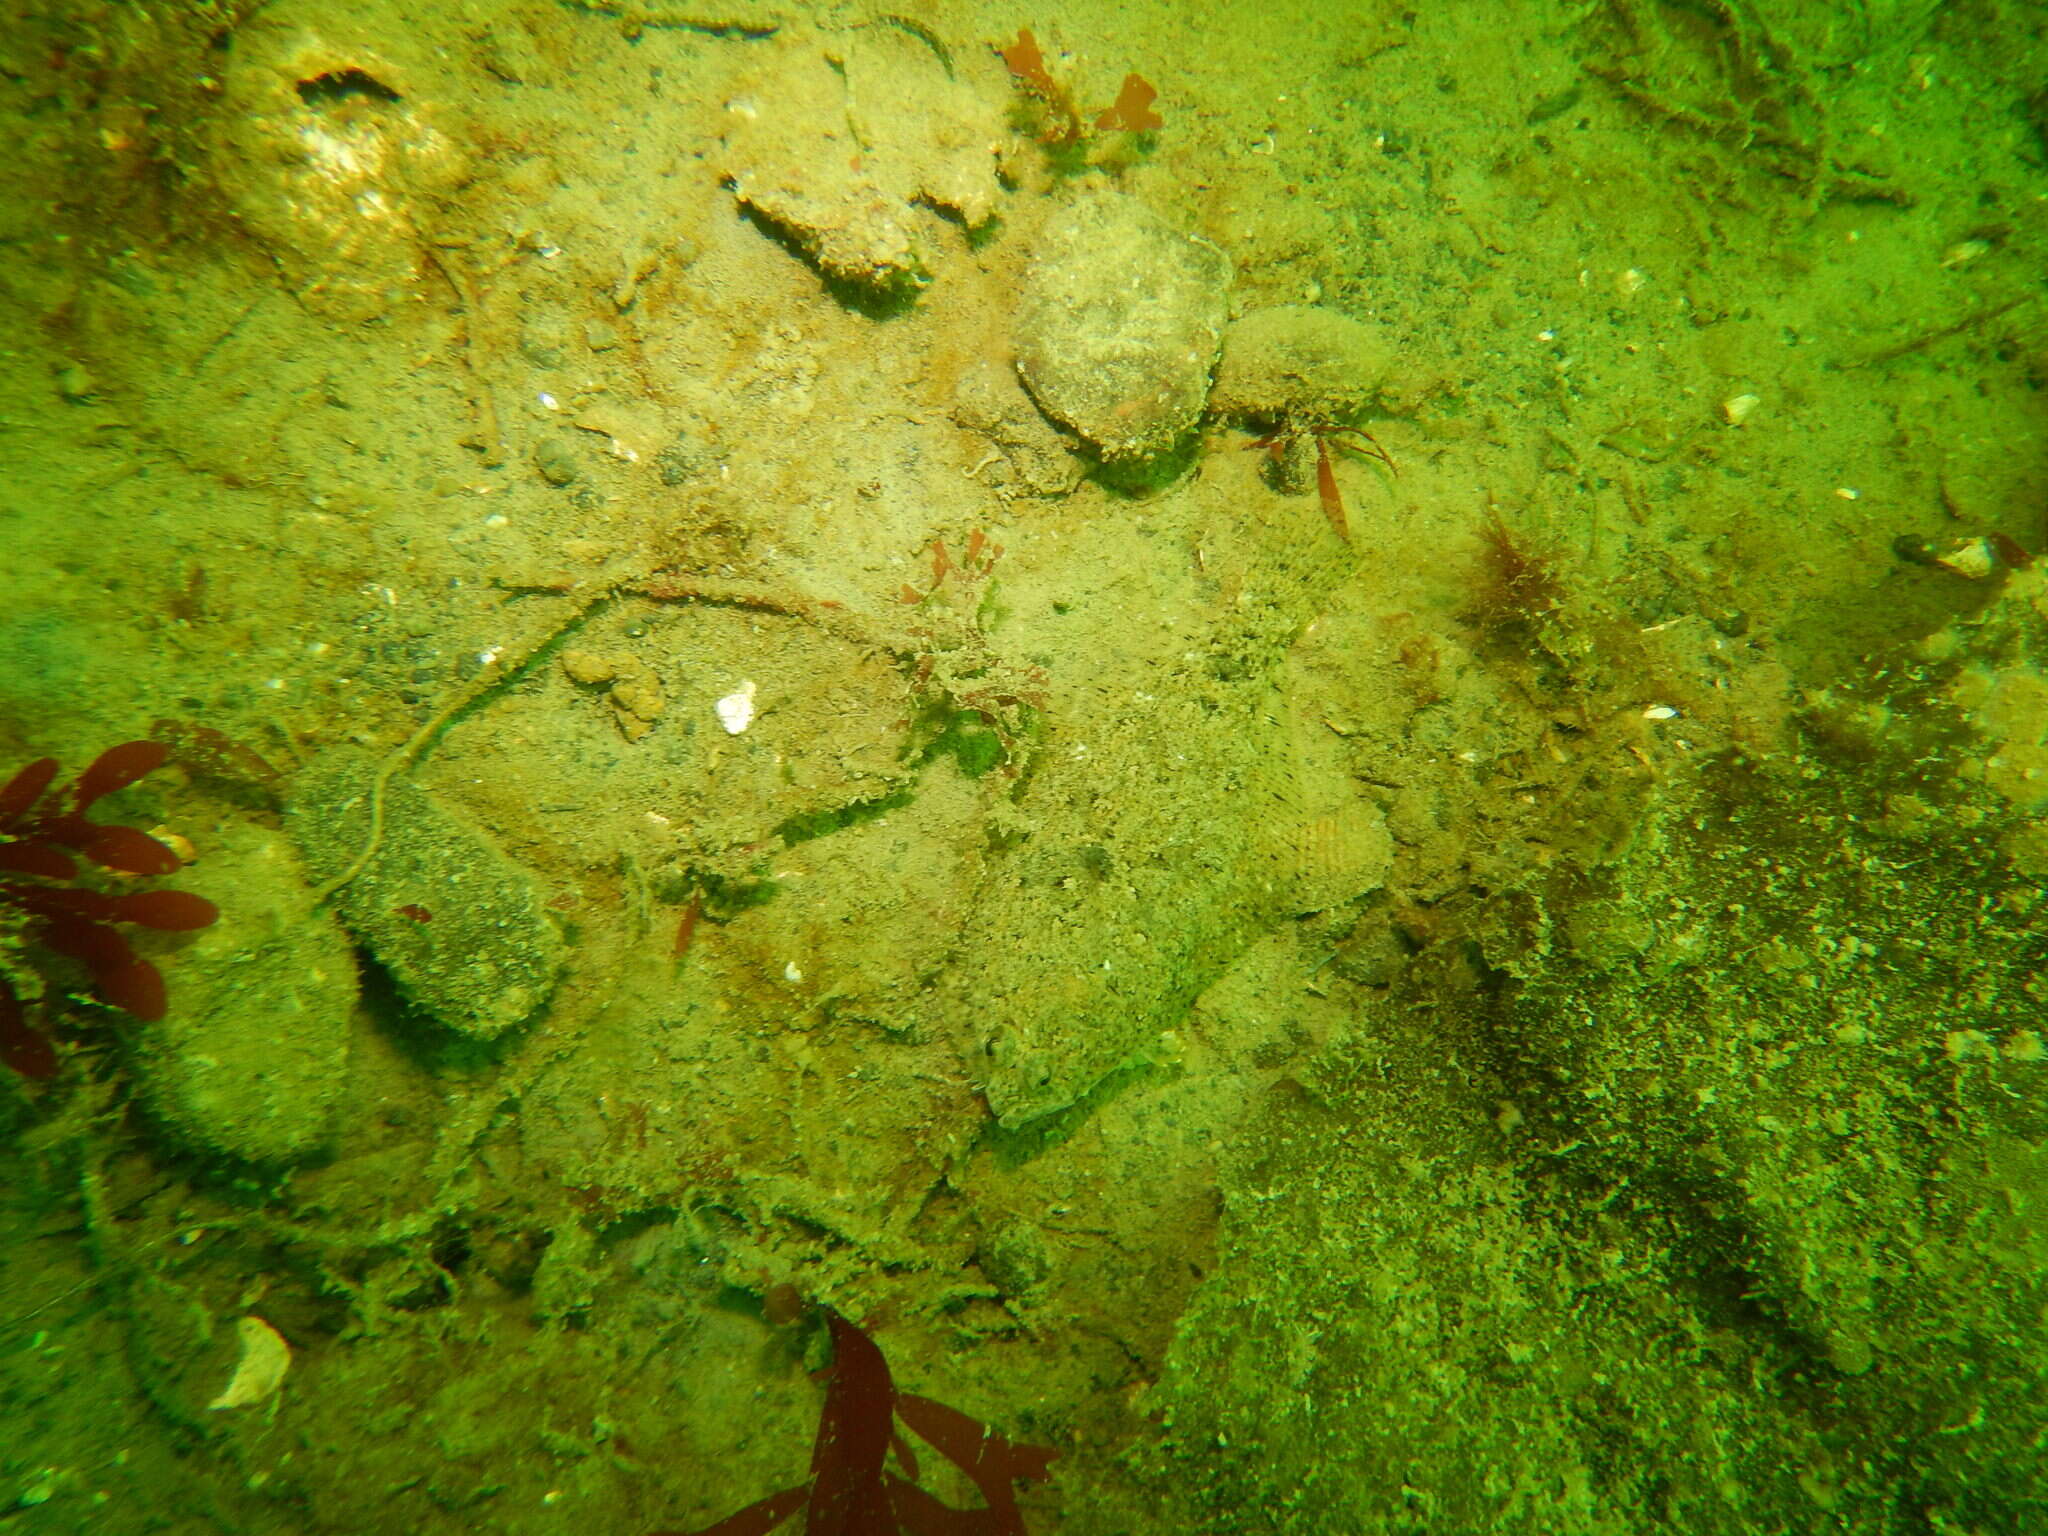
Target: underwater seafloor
[(1325, 790)]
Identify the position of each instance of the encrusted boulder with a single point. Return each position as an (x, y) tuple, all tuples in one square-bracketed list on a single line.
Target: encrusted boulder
[(460, 927), (850, 152), (1298, 362), (1119, 324), (251, 1060), (336, 139)]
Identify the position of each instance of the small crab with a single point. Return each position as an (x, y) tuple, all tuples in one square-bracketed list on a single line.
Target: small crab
[(1287, 448)]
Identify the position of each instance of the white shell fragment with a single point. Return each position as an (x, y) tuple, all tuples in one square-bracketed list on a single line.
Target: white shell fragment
[(736, 709), (265, 1359), (1973, 559)]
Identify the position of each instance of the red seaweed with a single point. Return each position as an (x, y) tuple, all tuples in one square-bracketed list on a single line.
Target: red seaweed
[(216, 755), (165, 911), (25, 789), (1326, 486), (117, 768), (35, 859), (852, 1492), (128, 851), (49, 910), (1132, 111), (686, 926), (1026, 65)]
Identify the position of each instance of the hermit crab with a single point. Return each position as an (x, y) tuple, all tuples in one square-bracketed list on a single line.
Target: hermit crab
[(1301, 377)]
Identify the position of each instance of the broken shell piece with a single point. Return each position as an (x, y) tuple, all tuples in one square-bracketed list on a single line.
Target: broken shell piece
[(1971, 558), (178, 844), (736, 709), (265, 1359), (636, 433), (1736, 409)]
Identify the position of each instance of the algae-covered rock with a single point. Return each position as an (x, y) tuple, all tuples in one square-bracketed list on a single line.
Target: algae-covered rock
[(1297, 361), (850, 152), (1063, 998), (335, 139), (460, 926), (1090, 939), (1396, 1335), (1119, 324), (250, 1061), (989, 401)]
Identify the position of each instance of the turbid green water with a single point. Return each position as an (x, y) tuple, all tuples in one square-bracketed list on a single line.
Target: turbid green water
[(1305, 745)]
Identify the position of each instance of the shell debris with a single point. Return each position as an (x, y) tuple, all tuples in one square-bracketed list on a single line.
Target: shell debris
[(736, 709), (260, 1371), (1339, 855)]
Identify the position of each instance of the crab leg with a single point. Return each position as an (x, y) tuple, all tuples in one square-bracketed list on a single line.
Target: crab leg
[(1326, 484)]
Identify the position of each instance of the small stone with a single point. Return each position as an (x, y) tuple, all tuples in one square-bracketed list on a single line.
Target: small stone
[(1972, 559), (555, 461), (635, 696), (588, 667), (486, 956), (1372, 954), (678, 462), (1016, 1257), (544, 337), (251, 1063), (637, 703), (1028, 451), (566, 1281), (75, 384)]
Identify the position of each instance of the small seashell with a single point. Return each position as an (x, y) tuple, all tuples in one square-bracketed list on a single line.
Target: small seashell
[(265, 1359), (1736, 409), (736, 709), (635, 435)]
